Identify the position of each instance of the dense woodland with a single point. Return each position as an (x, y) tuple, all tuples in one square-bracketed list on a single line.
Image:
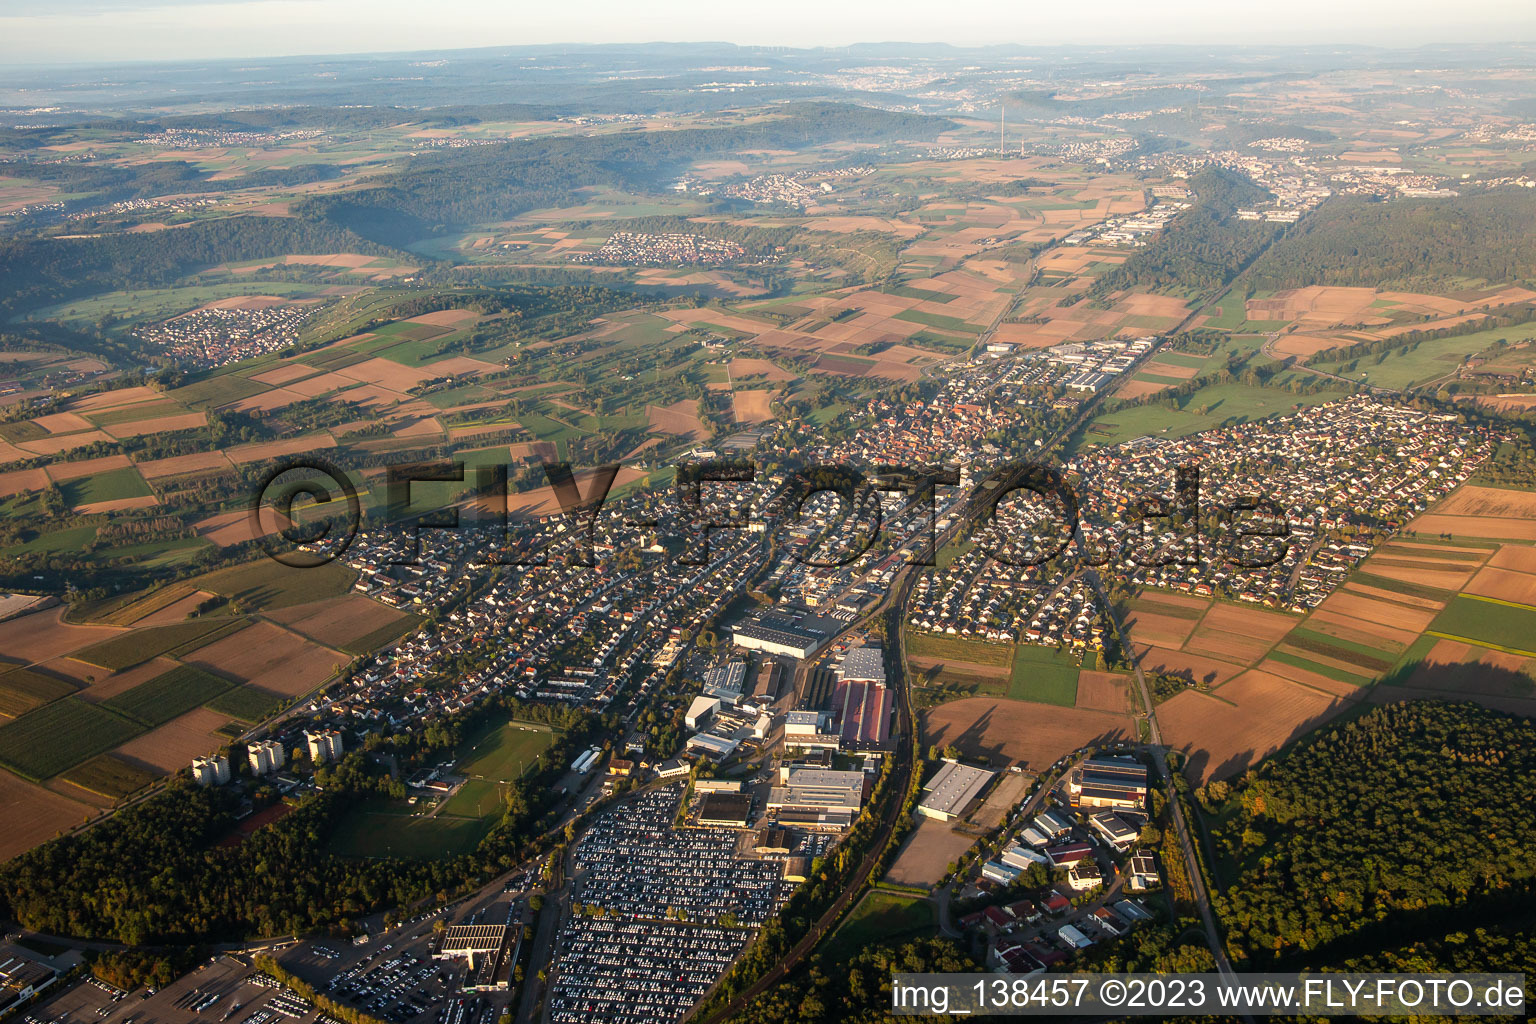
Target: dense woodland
[(166, 871), (39, 271), (490, 183), (1408, 824), (856, 991), (1204, 247), (1418, 244)]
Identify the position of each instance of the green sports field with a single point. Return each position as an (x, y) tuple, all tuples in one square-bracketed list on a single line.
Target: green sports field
[(492, 758), (391, 830)]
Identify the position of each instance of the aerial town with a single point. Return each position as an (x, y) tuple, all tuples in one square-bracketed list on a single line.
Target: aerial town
[(654, 532)]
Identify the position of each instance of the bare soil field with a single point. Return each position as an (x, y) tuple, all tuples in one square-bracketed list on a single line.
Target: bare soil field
[(927, 853), (1181, 663), (1390, 596), (226, 528), (174, 744), (759, 367), (1236, 647), (680, 418), (969, 668), (1471, 500), (1507, 403), (447, 317), (1515, 557), (1146, 627), (1008, 791), (1170, 370), (111, 684), (21, 480), (395, 376), (338, 620), (752, 406), (1222, 740), (1363, 631), (176, 611), (271, 658), (59, 443), (103, 401), (1389, 613), (285, 374), (159, 425), (63, 422), (33, 815), (1249, 621), (264, 450), (1486, 527), (1024, 733), (44, 635), (65, 471), (1140, 388), (1313, 679), (1439, 579), (118, 505), (1103, 691), (1504, 584), (181, 465)]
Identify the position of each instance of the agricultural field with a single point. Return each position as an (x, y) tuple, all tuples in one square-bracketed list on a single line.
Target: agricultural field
[(1018, 732), (168, 696), (1474, 512), (136, 646), (58, 736), (110, 776), (1043, 674), (22, 689), (248, 704), (1213, 406)]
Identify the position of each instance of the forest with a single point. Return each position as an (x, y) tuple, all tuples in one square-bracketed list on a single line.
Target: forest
[(1418, 245), (1204, 247), (856, 991), (40, 271), (171, 870), (489, 183), (1403, 826)]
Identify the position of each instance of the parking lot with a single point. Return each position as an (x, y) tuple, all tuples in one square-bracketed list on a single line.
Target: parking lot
[(664, 912), (225, 990)]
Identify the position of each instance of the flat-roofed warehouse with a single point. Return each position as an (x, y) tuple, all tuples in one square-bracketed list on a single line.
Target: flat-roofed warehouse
[(1109, 782), (865, 664), (725, 810), (948, 793), (817, 790), (471, 941), (793, 644)]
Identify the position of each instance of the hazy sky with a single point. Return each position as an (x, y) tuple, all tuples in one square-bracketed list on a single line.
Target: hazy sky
[(98, 30)]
